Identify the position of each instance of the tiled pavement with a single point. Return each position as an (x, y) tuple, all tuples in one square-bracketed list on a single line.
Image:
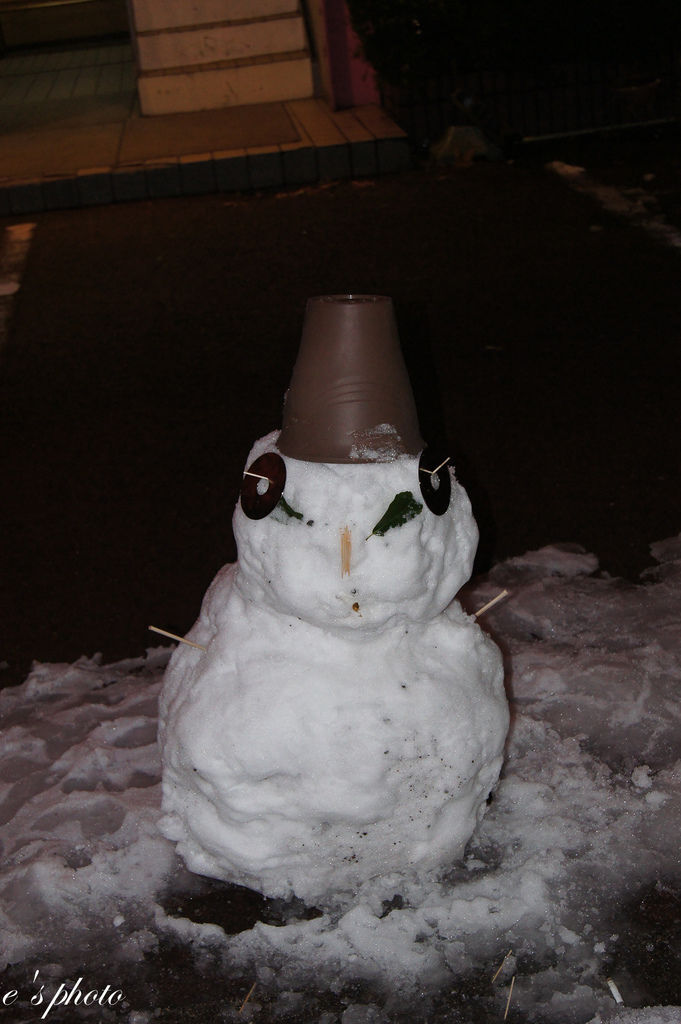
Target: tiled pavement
[(71, 134)]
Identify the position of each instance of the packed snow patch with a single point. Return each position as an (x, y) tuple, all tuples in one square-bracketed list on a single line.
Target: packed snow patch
[(573, 877), (636, 205)]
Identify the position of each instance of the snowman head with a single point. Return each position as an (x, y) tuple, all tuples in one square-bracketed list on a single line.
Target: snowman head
[(345, 519), (352, 545)]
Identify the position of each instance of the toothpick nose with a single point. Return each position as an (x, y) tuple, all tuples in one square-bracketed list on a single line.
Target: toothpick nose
[(345, 550)]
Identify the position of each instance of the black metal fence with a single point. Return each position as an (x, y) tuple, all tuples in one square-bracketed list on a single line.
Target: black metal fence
[(557, 99)]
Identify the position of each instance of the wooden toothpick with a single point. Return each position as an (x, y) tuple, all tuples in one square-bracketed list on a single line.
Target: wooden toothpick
[(346, 550), (501, 965), (174, 636), (432, 472), (485, 607), (510, 993), (616, 995), (259, 476), (247, 997)]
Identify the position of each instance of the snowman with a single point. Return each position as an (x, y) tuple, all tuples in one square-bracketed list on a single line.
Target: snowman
[(345, 719)]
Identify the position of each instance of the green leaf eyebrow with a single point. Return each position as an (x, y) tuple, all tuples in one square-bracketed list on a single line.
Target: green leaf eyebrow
[(401, 509), (285, 507)]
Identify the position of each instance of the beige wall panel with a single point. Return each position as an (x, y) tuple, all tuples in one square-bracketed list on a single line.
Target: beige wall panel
[(220, 43), (223, 87), (151, 15)]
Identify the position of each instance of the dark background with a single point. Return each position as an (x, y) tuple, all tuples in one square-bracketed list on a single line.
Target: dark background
[(152, 343)]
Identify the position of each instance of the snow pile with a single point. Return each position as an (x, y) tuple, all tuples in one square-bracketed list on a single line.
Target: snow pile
[(575, 867), (80, 801), (344, 721)]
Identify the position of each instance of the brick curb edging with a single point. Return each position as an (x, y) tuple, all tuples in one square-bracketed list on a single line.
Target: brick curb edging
[(205, 173)]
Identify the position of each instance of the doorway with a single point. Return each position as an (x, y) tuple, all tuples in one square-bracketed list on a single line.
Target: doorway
[(37, 23)]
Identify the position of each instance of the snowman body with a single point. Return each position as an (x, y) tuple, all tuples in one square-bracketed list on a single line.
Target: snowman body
[(347, 718)]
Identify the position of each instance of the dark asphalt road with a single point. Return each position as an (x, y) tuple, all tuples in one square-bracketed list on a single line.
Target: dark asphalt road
[(152, 343)]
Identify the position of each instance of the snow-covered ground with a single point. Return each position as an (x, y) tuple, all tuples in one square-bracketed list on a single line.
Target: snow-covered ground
[(573, 879)]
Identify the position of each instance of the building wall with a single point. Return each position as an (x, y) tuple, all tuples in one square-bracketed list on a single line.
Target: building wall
[(343, 78)]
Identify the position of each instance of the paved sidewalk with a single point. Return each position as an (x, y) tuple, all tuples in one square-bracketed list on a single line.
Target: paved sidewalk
[(71, 134)]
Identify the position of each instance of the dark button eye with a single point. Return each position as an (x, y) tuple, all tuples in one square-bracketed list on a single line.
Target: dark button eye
[(434, 480), (263, 485)]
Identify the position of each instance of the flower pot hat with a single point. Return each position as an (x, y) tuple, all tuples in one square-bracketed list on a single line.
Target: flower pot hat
[(350, 398)]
